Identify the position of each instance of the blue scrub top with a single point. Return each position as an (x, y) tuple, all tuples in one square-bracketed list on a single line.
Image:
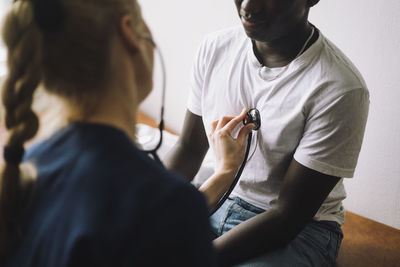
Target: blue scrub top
[(99, 201)]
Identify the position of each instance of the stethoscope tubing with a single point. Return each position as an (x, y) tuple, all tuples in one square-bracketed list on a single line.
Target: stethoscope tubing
[(153, 152)]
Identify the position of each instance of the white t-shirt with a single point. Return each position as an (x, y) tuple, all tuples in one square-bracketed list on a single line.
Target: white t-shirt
[(315, 112)]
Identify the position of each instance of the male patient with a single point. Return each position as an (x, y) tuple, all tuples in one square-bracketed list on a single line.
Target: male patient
[(286, 209)]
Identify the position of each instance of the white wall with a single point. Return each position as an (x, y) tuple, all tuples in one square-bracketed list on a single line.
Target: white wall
[(179, 26), (368, 31)]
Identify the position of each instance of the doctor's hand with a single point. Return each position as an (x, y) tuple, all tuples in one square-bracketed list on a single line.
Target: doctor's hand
[(229, 152)]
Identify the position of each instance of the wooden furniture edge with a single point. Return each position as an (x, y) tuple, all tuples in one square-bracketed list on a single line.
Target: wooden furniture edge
[(368, 243)]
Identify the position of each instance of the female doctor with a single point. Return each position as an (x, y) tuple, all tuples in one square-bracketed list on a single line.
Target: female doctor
[(87, 196)]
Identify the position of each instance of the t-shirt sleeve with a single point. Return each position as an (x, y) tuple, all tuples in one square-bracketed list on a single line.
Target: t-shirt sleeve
[(333, 134), (197, 81)]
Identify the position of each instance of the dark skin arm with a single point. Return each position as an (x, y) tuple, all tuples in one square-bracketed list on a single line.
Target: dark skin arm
[(188, 153), (302, 193)]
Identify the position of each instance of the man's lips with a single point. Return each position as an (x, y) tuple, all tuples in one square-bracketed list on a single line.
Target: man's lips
[(251, 22)]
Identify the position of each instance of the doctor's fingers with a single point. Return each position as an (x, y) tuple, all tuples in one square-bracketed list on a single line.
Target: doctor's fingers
[(227, 123), (223, 121), (217, 127), (213, 127), (244, 132), (218, 124), (235, 121)]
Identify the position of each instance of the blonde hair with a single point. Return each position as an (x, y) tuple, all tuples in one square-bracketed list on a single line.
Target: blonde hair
[(71, 62)]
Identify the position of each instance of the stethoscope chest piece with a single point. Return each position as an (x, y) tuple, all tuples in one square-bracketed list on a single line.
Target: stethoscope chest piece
[(253, 116)]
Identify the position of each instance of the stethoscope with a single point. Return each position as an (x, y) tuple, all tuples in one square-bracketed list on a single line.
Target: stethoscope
[(252, 116), (153, 152)]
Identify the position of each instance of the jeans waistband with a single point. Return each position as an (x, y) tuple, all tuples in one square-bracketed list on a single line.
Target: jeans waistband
[(246, 205)]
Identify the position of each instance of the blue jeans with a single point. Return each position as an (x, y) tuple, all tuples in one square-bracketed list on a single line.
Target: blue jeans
[(316, 245)]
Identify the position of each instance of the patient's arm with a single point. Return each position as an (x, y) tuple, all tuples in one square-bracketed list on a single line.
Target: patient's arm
[(188, 153), (302, 193)]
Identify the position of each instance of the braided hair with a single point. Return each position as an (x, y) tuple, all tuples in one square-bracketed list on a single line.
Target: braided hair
[(24, 75)]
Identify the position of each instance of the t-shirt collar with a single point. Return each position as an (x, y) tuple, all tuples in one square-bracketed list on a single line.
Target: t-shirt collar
[(305, 57)]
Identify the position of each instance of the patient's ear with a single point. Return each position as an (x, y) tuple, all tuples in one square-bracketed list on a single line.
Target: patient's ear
[(127, 32)]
